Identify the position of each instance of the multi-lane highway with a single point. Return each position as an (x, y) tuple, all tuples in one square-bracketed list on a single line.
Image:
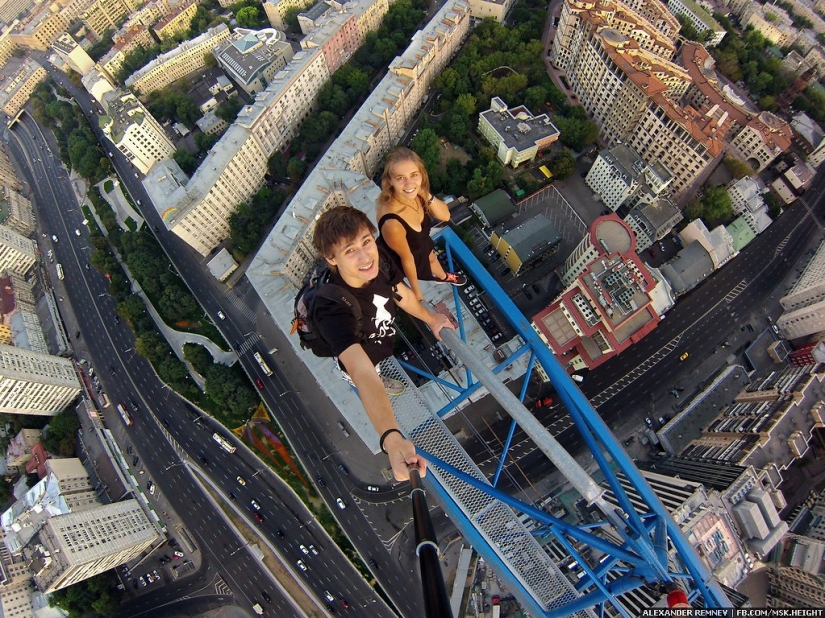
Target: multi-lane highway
[(128, 377)]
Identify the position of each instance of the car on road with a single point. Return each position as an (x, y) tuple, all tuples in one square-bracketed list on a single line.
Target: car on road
[(280, 533), (136, 175), (241, 481), (344, 603), (255, 505), (320, 482), (328, 596), (77, 232), (373, 563), (304, 549), (684, 356), (259, 518), (259, 384), (342, 469), (152, 490), (221, 315), (648, 421), (372, 488), (341, 504), (313, 550), (54, 238), (302, 566), (178, 554), (266, 596)]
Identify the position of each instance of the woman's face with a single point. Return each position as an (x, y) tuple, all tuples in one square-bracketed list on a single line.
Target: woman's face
[(405, 179)]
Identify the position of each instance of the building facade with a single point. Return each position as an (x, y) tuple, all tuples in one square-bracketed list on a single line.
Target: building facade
[(179, 62), (804, 304), (134, 131), (17, 89), (35, 383), (72, 54), (17, 253), (177, 21), (104, 15)]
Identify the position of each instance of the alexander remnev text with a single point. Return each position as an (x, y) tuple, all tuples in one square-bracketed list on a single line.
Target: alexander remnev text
[(732, 613)]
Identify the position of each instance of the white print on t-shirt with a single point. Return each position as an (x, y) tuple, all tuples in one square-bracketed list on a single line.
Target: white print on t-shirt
[(382, 319)]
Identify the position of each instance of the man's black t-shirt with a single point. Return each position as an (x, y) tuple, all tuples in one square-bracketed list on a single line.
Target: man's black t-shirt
[(336, 324)]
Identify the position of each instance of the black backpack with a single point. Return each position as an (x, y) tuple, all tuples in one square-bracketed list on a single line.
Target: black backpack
[(318, 285)]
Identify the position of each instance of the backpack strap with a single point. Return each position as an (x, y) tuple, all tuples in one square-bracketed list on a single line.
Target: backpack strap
[(338, 294)]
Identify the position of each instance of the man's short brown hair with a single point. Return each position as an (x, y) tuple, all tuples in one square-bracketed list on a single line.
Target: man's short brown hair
[(342, 223)]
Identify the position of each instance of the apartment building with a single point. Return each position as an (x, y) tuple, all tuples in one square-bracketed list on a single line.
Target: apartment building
[(771, 21), (104, 15), (8, 175), (35, 383), (516, 134), (17, 88), (176, 21), (615, 175), (804, 304), (7, 44), (769, 425), (19, 450), (252, 58), (17, 253), (763, 139), (524, 242), (39, 28), (18, 311), (809, 138), (19, 211), (72, 54), (10, 10), (276, 10), (746, 197), (134, 131), (179, 62), (338, 38), (700, 19), (76, 546), (652, 221), (606, 305)]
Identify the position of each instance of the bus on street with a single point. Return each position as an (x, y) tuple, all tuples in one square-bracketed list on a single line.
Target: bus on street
[(124, 414)]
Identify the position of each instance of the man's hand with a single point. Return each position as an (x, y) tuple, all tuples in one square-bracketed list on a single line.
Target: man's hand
[(402, 456)]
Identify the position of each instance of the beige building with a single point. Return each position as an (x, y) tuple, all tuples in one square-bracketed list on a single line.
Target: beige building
[(793, 587), (276, 10), (39, 29), (771, 22), (79, 545), (497, 9), (134, 131), (17, 88), (804, 304), (17, 253), (7, 45), (17, 305), (35, 383), (105, 15), (72, 54), (8, 175), (20, 217), (763, 139), (16, 591), (179, 62), (19, 450), (10, 10), (177, 21)]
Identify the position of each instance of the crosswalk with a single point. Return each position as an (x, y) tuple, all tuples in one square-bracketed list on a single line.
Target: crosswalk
[(735, 291), (233, 297), (249, 343), (628, 379)]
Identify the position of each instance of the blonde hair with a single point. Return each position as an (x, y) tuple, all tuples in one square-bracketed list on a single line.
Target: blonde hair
[(397, 156)]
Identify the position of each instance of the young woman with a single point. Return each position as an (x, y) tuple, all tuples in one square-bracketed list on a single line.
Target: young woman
[(404, 210)]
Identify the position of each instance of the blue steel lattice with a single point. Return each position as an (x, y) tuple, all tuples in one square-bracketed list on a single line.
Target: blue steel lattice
[(636, 548)]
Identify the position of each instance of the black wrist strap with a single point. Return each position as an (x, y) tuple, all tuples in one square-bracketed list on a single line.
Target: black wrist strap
[(384, 437)]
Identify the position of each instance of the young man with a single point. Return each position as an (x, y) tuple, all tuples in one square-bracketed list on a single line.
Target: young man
[(344, 236)]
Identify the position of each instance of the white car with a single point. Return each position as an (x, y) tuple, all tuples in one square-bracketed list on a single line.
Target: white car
[(302, 566), (304, 549), (77, 232), (54, 238), (221, 315), (328, 596), (241, 481), (341, 504)]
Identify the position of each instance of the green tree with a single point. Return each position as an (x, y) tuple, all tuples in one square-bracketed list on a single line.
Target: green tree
[(479, 185), (428, 147), (737, 168), (209, 60), (186, 160), (563, 165), (535, 98), (694, 210), (276, 166), (247, 17), (229, 109), (717, 203), (205, 141), (199, 357), (295, 169), (61, 437), (291, 19), (96, 595), (466, 103)]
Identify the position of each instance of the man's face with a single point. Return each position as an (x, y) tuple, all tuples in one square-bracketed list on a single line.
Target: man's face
[(356, 259)]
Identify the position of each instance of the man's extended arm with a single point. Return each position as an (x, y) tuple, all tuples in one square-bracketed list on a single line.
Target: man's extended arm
[(379, 409), (409, 303)]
